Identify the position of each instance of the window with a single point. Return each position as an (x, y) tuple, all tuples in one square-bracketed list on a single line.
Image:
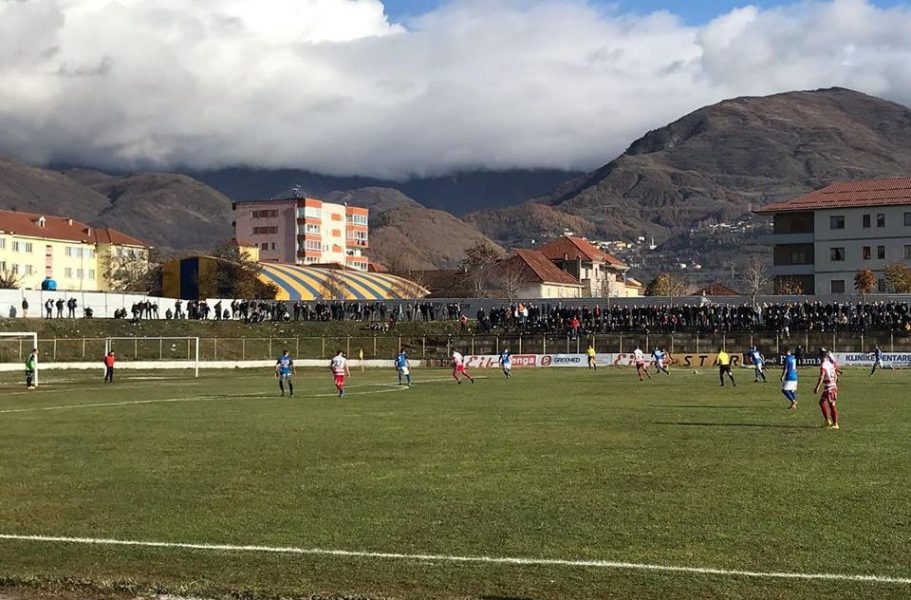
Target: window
[(80, 274), (837, 222), (360, 235), (311, 228), (273, 245), (907, 252), (907, 221), (265, 214), (882, 286), (15, 269), (866, 221), (837, 254), (22, 247), (357, 219), (265, 230), (2, 266), (881, 252), (880, 220), (868, 252), (2, 243), (29, 269), (838, 286), (89, 252), (264, 246), (68, 273), (313, 245), (311, 212), (91, 273)]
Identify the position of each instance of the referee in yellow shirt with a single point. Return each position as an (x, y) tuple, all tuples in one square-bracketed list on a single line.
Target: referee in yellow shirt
[(724, 367)]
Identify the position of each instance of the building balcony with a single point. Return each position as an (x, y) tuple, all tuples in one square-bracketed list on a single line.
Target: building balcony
[(777, 239), (793, 270), (358, 243)]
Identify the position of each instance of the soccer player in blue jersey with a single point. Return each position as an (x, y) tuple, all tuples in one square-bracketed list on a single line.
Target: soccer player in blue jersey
[(789, 379), (877, 360), (660, 357), (506, 363), (403, 367), (758, 361), (284, 370)]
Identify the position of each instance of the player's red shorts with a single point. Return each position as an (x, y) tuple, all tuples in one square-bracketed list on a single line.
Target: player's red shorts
[(830, 396), (459, 369), (339, 379)]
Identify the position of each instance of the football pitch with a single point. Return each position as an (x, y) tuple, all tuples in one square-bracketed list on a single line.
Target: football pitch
[(554, 484)]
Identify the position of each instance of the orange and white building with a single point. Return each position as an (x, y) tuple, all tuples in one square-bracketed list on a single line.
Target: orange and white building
[(304, 231)]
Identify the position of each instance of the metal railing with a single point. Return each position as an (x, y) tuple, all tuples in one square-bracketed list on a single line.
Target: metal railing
[(441, 346)]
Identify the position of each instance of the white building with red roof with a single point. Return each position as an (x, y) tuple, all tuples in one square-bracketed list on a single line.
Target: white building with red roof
[(36, 247), (823, 238), (600, 273)]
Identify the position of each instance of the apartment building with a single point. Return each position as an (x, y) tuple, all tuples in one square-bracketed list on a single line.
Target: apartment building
[(304, 231), (822, 239), (36, 247)]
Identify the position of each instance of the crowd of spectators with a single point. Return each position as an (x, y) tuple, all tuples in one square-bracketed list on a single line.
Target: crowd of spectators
[(545, 317)]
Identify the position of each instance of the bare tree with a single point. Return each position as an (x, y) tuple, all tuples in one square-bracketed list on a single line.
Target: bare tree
[(511, 276), (334, 287), (755, 278), (9, 280), (133, 272)]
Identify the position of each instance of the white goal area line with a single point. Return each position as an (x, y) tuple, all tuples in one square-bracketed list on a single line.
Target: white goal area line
[(443, 558)]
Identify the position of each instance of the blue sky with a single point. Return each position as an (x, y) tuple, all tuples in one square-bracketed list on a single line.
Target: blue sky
[(692, 11)]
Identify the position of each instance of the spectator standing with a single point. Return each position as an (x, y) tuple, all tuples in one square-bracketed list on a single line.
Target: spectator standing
[(109, 361)]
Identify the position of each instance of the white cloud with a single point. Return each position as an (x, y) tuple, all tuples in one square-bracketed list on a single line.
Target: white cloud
[(334, 86)]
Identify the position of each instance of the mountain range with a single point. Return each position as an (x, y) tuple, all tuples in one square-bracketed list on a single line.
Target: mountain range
[(711, 166)]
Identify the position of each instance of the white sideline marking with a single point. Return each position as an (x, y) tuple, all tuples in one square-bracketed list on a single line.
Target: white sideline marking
[(598, 564), (389, 387)]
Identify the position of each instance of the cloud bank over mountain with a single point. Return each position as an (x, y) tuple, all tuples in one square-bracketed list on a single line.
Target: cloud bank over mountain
[(334, 86)]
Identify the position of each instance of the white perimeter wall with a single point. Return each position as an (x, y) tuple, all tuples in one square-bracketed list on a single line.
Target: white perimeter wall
[(102, 303)]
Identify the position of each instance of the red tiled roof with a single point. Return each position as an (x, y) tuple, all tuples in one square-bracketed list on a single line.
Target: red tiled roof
[(573, 248), (716, 289), (541, 269), (61, 228), (849, 194)]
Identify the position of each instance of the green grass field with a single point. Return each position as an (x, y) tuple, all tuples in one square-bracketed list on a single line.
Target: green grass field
[(554, 464)]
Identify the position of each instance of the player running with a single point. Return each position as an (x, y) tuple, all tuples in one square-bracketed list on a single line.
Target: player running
[(458, 368), (403, 367), (660, 357), (789, 379), (877, 355), (758, 361), (639, 361), (592, 357), (828, 379), (724, 367), (284, 370), (506, 363), (339, 367)]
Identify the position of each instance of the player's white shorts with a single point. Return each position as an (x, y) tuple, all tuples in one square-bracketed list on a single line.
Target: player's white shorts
[(284, 376), (789, 386), (758, 367), (507, 366), (660, 363), (404, 370), (879, 363)]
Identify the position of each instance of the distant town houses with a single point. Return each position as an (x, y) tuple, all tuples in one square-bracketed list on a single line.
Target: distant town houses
[(47, 251)]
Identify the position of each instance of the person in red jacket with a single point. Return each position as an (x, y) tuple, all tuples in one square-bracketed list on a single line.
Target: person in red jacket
[(109, 367)]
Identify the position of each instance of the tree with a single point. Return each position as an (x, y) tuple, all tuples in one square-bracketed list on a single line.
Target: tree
[(666, 284), (755, 277), (334, 287), (481, 255), (864, 282), (898, 276), (9, 280), (234, 274), (511, 276), (133, 272), (790, 287)]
